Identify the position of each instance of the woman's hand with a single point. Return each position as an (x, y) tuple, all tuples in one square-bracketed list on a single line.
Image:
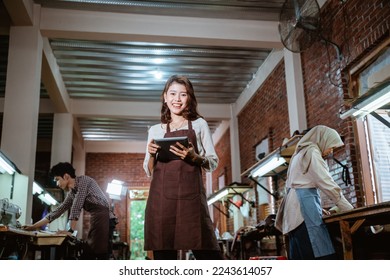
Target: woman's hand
[(184, 152), (326, 212), (153, 148), (64, 232)]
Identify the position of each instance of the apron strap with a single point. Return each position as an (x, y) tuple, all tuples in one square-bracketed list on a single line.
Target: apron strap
[(168, 128)]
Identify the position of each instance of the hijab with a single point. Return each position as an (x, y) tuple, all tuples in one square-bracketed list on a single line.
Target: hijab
[(320, 138)]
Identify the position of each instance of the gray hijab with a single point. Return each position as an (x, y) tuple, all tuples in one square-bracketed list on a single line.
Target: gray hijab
[(319, 137)]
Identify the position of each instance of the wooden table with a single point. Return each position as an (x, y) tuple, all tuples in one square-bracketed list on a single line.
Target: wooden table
[(22, 241), (350, 221)]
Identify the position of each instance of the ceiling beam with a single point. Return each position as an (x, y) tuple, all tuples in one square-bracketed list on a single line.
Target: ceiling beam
[(126, 109), (52, 79), (21, 12), (93, 25), (148, 110)]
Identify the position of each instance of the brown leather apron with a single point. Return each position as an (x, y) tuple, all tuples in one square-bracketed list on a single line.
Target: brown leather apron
[(176, 216), (98, 235)]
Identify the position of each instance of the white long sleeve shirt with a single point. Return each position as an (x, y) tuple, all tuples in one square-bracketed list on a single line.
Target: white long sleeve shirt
[(318, 176), (203, 138)]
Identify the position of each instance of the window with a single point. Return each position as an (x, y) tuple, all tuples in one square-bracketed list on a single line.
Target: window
[(370, 83), (378, 143)]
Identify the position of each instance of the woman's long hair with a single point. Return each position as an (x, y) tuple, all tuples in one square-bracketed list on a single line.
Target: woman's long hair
[(191, 110)]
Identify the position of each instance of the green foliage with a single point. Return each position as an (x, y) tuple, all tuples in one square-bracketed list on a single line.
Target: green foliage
[(137, 218)]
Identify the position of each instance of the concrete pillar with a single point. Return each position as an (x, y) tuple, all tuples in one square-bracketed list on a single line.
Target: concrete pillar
[(295, 93), (79, 156), (235, 147), (61, 147), (236, 163), (61, 151), (21, 104)]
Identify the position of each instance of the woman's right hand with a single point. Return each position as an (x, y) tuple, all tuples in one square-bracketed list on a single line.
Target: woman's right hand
[(153, 148)]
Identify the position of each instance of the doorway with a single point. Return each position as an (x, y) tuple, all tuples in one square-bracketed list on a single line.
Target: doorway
[(137, 206)]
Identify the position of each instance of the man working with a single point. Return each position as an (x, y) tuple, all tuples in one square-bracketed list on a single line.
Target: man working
[(83, 192)]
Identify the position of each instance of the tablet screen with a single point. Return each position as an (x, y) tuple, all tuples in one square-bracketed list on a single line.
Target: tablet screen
[(164, 154)]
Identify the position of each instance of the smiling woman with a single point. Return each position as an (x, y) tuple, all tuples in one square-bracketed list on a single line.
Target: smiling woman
[(176, 215)]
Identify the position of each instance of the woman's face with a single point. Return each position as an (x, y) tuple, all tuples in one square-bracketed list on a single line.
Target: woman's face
[(176, 98), (327, 152)]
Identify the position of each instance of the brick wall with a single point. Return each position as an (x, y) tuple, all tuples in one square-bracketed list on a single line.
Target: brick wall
[(104, 168), (356, 27), (265, 115), (222, 149)]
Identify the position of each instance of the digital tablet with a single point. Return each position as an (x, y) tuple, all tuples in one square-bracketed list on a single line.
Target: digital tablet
[(165, 143)]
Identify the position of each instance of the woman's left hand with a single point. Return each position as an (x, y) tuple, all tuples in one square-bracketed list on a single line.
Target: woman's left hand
[(326, 212), (184, 152), (64, 232)]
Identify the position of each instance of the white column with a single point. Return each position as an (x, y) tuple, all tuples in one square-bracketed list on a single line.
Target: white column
[(61, 151), (295, 93), (61, 147), (21, 104), (79, 161), (235, 147), (236, 163), (79, 154)]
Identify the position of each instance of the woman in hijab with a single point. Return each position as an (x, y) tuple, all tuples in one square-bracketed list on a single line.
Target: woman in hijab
[(300, 214)]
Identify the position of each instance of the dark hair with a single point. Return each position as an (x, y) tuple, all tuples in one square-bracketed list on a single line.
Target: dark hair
[(191, 111), (60, 169)]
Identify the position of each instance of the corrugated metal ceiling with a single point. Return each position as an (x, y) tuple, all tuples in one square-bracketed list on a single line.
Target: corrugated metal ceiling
[(125, 71)]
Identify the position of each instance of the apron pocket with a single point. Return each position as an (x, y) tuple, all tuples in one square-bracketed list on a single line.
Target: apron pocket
[(183, 185)]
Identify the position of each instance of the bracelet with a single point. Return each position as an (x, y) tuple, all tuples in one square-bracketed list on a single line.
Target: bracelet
[(70, 230)]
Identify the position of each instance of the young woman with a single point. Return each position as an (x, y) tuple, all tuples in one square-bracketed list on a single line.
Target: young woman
[(177, 216), (300, 214)]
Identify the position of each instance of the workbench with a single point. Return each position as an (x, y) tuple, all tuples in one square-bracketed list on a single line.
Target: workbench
[(349, 223), (22, 244)]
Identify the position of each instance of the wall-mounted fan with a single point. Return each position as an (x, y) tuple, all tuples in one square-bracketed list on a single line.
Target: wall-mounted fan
[(299, 25)]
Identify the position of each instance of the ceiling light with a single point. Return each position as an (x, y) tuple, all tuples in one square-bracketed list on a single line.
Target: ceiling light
[(158, 60), (158, 75)]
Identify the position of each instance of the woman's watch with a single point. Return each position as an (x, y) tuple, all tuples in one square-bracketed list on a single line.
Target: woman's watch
[(70, 230)]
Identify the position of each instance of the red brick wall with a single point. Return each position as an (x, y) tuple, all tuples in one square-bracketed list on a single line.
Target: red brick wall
[(104, 168), (265, 115), (357, 27), (224, 166)]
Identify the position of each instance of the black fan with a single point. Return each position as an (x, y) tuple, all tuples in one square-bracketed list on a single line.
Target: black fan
[(299, 24)]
